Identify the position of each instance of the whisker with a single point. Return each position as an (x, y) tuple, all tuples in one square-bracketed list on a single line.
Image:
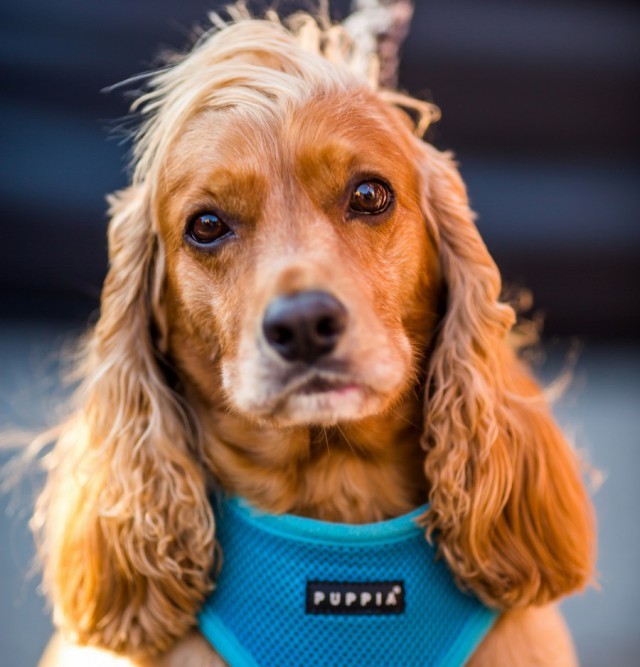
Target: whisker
[(346, 439), (401, 416), (326, 439)]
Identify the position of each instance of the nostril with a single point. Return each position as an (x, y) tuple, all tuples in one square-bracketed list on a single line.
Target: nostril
[(327, 327), (280, 335)]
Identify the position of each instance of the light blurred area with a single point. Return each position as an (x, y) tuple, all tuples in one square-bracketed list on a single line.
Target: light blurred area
[(540, 104)]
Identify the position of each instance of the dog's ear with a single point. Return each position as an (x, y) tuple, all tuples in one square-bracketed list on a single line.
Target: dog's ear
[(507, 504), (124, 524)]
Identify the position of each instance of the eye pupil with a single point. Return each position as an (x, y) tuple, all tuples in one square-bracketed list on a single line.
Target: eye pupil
[(207, 228), (370, 198)]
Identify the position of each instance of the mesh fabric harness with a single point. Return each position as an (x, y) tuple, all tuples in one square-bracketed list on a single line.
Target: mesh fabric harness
[(295, 591)]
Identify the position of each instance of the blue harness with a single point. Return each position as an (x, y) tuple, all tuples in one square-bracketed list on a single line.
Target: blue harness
[(295, 591)]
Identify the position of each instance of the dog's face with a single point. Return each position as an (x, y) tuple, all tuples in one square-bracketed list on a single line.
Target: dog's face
[(301, 279)]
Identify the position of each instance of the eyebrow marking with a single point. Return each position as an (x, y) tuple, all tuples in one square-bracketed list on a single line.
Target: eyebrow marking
[(236, 193)]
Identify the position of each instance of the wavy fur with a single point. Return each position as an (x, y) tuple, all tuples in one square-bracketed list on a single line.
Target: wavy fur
[(125, 527), (508, 507)]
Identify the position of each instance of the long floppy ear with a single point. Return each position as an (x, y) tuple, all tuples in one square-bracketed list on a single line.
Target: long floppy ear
[(507, 504), (125, 529)]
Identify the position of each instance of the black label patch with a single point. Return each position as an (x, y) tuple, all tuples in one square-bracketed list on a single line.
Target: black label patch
[(355, 599)]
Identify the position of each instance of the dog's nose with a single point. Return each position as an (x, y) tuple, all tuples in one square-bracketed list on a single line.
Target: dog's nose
[(304, 326)]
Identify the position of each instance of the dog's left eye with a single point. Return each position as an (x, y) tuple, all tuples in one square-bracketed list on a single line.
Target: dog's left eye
[(206, 228), (370, 198)]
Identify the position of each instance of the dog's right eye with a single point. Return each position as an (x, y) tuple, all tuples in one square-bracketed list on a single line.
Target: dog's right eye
[(371, 197), (206, 229)]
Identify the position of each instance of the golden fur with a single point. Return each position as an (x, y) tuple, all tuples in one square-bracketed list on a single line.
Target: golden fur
[(179, 392)]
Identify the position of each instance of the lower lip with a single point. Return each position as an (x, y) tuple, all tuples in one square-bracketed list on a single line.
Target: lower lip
[(333, 391), (343, 391), (339, 396), (328, 406)]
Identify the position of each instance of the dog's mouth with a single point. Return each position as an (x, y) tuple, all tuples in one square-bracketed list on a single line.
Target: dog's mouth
[(322, 385), (325, 394), (320, 398)]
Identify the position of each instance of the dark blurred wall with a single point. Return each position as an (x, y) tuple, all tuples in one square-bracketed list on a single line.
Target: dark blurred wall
[(539, 101)]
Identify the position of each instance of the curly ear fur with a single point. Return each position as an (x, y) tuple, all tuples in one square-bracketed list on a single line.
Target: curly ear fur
[(507, 504), (124, 525)]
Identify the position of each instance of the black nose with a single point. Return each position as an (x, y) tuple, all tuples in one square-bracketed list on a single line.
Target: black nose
[(304, 326)]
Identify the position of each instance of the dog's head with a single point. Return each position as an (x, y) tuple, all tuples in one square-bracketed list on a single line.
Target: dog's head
[(288, 252), (301, 277)]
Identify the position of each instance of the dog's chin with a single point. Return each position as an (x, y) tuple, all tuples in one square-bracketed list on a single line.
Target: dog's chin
[(316, 405), (327, 407)]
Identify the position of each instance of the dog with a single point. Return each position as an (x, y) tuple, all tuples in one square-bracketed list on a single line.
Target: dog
[(299, 311)]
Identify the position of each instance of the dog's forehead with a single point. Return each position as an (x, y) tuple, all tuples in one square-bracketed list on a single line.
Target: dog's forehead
[(314, 138), (345, 136)]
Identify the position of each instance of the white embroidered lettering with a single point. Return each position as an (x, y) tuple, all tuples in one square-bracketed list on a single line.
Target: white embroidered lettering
[(355, 598)]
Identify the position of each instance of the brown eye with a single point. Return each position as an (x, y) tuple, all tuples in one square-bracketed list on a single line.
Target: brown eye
[(206, 229), (370, 198)]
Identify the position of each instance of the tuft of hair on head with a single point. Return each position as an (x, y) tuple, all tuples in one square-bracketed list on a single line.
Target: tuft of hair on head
[(254, 66)]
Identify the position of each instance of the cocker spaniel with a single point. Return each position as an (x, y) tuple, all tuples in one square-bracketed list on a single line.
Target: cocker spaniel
[(300, 313)]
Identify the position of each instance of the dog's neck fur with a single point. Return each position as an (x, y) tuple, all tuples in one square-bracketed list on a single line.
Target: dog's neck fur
[(352, 473)]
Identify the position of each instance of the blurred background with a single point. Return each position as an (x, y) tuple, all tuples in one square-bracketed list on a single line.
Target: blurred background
[(540, 102)]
